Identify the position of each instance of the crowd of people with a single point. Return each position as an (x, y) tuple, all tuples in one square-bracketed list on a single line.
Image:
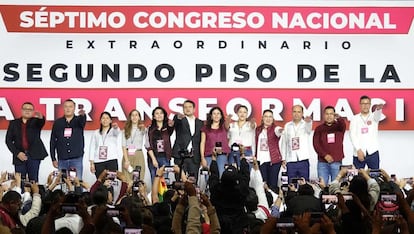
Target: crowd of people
[(220, 176)]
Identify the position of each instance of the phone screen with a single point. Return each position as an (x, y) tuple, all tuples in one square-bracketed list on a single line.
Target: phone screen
[(72, 175), (132, 231), (388, 206), (329, 202)]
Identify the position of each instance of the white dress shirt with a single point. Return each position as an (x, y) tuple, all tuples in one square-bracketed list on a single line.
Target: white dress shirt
[(300, 132), (242, 135), (112, 140), (364, 132)]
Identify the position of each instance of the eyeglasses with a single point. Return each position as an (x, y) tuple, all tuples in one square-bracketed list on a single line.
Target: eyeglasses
[(365, 103), (27, 109)]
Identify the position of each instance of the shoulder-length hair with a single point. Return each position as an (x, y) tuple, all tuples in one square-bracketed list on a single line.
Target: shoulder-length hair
[(210, 119), (128, 124), (101, 127), (164, 121)]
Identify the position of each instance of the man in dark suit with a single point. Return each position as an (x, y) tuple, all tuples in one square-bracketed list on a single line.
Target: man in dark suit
[(187, 138), (23, 141)]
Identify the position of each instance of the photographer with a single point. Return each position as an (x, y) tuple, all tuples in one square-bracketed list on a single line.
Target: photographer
[(36, 203), (228, 195), (119, 190), (366, 188)]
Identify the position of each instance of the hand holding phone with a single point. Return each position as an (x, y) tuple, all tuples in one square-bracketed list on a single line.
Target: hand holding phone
[(218, 148)]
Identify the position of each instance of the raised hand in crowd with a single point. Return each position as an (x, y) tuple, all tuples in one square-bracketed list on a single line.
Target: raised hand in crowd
[(327, 226), (155, 184), (3, 177), (54, 181), (302, 223)]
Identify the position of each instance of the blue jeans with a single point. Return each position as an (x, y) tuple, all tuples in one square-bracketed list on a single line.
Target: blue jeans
[(270, 173), (371, 160), (29, 167), (73, 162), (298, 169), (222, 160), (234, 156), (162, 161), (326, 170)]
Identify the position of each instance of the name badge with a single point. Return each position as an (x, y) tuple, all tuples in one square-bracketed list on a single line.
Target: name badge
[(330, 138), (67, 132), (263, 144), (160, 146), (295, 143), (364, 130), (103, 152), (131, 150)]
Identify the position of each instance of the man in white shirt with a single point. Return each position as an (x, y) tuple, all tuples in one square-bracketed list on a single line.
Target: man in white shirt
[(364, 134), (295, 144)]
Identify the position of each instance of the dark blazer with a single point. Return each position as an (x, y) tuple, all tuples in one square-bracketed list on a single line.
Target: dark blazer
[(36, 149), (183, 137)]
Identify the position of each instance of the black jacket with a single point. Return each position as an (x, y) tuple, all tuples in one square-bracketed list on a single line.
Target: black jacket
[(36, 149), (183, 137), (229, 201)]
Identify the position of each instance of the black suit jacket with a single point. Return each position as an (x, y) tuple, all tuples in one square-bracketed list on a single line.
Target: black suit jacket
[(183, 137), (36, 149)]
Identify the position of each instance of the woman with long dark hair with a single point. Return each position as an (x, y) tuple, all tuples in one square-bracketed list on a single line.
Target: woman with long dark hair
[(106, 146), (158, 143), (214, 139)]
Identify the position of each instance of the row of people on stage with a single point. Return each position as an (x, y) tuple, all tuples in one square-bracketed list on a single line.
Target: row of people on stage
[(273, 146)]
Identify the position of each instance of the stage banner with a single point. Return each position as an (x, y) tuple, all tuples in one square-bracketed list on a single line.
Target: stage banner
[(112, 56)]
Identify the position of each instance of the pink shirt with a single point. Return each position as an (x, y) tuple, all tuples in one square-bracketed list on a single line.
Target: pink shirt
[(213, 136)]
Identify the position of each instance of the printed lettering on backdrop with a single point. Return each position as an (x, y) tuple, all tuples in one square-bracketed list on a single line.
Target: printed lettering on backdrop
[(117, 57)]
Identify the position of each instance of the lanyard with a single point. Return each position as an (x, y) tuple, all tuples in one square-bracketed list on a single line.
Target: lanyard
[(365, 121), (296, 128), (104, 137), (134, 135)]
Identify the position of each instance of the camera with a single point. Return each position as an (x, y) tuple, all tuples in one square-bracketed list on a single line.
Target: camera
[(68, 208), (285, 223), (235, 147), (128, 230), (10, 176), (249, 159), (350, 173), (185, 153), (374, 173), (329, 202), (72, 173), (111, 175), (55, 173), (136, 174), (168, 169), (136, 185), (295, 182), (204, 171), (285, 182), (64, 175), (191, 178), (178, 185), (112, 212), (388, 207), (218, 147)]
